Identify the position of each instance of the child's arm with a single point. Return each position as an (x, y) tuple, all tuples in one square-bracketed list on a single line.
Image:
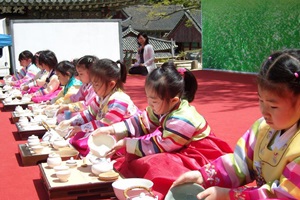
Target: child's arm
[(117, 110), (65, 98)]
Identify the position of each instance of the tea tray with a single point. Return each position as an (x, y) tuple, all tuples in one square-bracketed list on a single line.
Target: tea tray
[(24, 133), (15, 116), (12, 105), (82, 184), (29, 158)]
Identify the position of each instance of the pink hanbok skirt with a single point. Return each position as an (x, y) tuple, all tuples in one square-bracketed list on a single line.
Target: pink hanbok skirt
[(45, 97), (80, 142), (164, 168)]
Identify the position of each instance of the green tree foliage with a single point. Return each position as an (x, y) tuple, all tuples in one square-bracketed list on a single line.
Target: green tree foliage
[(189, 4)]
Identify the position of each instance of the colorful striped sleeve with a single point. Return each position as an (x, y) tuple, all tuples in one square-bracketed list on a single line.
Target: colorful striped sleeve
[(236, 169), (117, 109)]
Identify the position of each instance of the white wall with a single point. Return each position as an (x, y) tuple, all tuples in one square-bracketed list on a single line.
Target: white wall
[(68, 39)]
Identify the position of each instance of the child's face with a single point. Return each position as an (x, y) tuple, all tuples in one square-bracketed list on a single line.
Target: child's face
[(83, 74), (158, 105), (102, 89), (25, 62), (279, 112), (62, 79), (45, 67)]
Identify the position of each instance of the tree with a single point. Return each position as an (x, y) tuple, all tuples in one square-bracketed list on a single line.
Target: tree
[(183, 5)]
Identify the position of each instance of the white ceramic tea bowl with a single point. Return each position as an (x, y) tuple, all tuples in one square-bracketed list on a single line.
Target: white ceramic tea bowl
[(8, 99), (44, 143), (37, 149), (63, 175), (60, 143), (18, 109), (60, 168), (62, 130), (100, 144), (51, 121), (23, 119), (40, 118), (122, 184), (26, 99), (71, 162), (50, 113)]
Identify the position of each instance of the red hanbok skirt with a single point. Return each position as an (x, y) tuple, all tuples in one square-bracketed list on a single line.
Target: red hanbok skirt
[(164, 168)]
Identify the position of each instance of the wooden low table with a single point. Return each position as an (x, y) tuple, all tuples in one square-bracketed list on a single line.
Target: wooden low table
[(11, 106), (24, 133), (81, 184), (15, 116), (29, 158)]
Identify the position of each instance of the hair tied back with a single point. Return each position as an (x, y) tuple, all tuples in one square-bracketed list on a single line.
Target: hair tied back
[(181, 71)]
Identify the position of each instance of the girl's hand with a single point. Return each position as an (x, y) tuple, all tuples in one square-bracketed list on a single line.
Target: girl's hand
[(64, 123), (73, 130), (189, 177), (25, 87), (116, 147), (108, 130), (62, 108), (214, 193)]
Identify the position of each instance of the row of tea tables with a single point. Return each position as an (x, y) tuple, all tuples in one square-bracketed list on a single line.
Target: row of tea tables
[(82, 184)]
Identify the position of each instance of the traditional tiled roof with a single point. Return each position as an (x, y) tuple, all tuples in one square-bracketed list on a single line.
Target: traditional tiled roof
[(102, 3), (162, 48), (195, 17), (138, 21)]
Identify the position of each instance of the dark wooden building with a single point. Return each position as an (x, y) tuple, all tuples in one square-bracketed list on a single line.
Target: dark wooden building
[(173, 27)]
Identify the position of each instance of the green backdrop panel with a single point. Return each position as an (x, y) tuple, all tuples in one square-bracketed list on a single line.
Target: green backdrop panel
[(239, 34)]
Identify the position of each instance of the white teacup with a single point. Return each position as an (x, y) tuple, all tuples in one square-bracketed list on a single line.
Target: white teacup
[(8, 99), (60, 168), (63, 175), (37, 149)]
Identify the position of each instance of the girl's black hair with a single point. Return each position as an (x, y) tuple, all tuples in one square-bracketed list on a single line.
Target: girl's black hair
[(168, 83), (86, 61), (25, 55), (107, 70), (35, 58), (48, 58), (281, 70), (145, 36), (66, 68)]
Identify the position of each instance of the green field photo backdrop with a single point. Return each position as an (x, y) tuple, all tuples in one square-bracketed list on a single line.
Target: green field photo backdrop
[(239, 34)]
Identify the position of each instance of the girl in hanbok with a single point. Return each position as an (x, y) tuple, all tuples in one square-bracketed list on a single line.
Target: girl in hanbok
[(170, 137), (51, 88), (85, 95), (269, 152), (114, 104), (66, 73), (39, 79), (28, 71)]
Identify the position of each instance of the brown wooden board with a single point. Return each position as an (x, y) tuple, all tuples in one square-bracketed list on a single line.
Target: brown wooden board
[(15, 116), (25, 133), (82, 184), (12, 106), (29, 158)]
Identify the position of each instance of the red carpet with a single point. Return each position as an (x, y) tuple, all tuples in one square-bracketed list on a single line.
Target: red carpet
[(227, 100)]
